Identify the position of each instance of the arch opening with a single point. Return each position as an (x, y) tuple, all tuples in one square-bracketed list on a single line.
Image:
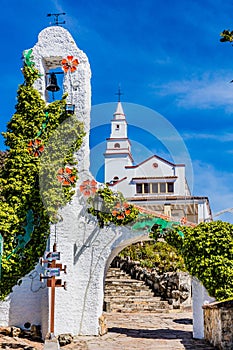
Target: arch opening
[(156, 267)]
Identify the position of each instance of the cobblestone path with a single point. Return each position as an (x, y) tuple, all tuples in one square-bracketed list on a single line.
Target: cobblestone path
[(129, 331), (145, 331)]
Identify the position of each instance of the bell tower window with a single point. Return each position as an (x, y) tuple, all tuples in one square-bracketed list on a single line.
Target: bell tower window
[(117, 145), (117, 127)]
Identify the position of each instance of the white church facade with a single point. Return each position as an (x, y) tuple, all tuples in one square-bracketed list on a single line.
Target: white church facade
[(155, 183)]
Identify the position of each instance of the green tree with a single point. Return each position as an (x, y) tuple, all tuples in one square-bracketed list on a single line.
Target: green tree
[(207, 250), (24, 220), (3, 155), (158, 255), (226, 35)]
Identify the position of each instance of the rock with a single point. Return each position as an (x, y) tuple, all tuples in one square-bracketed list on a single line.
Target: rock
[(65, 339), (5, 330), (36, 332), (15, 331), (175, 287), (102, 325)]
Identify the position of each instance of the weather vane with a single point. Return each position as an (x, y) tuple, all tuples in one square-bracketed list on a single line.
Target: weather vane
[(56, 15), (119, 93)]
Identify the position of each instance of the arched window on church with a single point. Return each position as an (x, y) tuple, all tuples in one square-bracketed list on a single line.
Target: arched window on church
[(117, 145)]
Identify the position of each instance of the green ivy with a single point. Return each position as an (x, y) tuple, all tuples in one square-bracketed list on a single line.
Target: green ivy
[(22, 174), (114, 210), (207, 250)]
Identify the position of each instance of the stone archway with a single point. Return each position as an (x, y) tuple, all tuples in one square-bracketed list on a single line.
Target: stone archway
[(84, 247), (161, 271), (199, 294)]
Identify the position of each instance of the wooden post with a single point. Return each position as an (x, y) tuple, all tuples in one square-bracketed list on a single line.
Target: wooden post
[(52, 282), (52, 306), (52, 301)]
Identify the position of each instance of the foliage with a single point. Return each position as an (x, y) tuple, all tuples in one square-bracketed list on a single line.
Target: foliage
[(226, 35), (3, 155), (207, 250), (20, 179), (158, 255), (114, 208)]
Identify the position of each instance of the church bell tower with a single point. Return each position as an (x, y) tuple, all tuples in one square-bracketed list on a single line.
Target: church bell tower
[(118, 150)]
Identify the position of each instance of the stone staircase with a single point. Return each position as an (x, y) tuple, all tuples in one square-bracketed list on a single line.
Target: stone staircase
[(124, 294)]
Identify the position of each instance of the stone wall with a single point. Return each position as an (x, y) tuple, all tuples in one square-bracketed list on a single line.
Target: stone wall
[(218, 324), (175, 287)]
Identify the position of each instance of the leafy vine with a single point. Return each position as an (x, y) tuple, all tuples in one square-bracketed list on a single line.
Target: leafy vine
[(31, 137)]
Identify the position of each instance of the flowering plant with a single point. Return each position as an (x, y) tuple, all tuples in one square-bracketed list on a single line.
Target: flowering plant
[(88, 187), (35, 147), (65, 176), (69, 64), (121, 210), (114, 209)]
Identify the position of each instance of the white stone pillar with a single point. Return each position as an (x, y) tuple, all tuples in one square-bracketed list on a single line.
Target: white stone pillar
[(200, 297)]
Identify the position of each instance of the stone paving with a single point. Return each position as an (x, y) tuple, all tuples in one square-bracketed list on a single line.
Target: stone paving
[(145, 331), (129, 331)]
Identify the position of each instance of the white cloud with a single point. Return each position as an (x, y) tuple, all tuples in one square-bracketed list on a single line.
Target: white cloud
[(206, 92), (57, 5), (224, 137)]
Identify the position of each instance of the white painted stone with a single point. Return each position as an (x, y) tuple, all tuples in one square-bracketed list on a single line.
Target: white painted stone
[(4, 312), (200, 297), (86, 249), (26, 303)]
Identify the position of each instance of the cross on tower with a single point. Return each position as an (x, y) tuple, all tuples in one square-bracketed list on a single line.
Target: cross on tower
[(119, 93), (56, 20)]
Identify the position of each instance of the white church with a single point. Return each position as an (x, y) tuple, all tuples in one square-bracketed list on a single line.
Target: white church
[(155, 184)]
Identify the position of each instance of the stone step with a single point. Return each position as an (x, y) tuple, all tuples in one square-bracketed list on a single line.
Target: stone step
[(112, 292), (135, 298), (143, 305), (134, 283), (138, 300), (138, 309), (125, 294), (126, 286), (126, 289), (118, 273)]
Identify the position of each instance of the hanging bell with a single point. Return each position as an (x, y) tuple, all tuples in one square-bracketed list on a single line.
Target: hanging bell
[(52, 85)]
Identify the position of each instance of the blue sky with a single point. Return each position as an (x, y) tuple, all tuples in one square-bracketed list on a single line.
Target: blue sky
[(165, 55)]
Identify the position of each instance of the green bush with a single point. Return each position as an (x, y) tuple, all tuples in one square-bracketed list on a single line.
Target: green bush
[(207, 250), (159, 255)]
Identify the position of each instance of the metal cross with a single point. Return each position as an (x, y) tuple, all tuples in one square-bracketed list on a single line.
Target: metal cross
[(119, 93), (56, 17)]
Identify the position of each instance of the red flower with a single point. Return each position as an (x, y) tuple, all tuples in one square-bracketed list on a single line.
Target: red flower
[(65, 176), (121, 210), (35, 147), (69, 64), (183, 220), (88, 187)]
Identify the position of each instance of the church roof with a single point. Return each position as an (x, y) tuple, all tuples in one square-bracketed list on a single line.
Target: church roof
[(119, 114), (154, 178), (154, 156)]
